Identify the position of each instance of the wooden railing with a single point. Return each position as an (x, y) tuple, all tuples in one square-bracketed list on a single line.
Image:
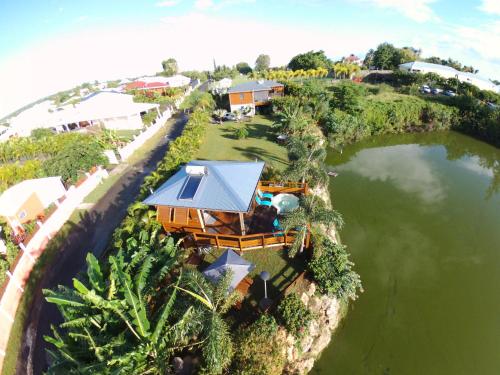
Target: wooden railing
[(248, 242), (283, 187)]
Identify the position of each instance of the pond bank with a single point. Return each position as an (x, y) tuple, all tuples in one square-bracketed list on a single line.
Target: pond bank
[(302, 353)]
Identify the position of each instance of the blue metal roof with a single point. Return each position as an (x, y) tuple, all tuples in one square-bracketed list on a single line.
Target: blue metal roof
[(264, 84), (229, 261), (226, 186)]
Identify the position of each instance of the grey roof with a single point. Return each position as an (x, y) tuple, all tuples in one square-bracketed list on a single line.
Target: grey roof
[(226, 186), (229, 261), (264, 84)]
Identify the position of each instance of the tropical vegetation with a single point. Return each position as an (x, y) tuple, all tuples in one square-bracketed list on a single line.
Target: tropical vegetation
[(69, 155), (261, 347), (294, 315), (332, 270)]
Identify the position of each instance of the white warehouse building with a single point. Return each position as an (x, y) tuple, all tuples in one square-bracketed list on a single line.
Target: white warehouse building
[(449, 72)]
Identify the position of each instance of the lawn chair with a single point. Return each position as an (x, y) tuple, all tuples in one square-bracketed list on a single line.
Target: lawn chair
[(277, 228), (264, 195), (261, 202)]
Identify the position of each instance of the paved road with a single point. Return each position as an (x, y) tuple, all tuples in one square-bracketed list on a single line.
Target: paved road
[(92, 233)]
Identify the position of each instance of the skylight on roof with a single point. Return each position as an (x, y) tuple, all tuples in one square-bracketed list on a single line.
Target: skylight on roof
[(191, 187)]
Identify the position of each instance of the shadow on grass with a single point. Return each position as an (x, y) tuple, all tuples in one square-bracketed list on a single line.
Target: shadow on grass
[(259, 153), (255, 131)]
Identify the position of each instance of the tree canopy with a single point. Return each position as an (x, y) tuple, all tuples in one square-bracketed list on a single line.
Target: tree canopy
[(170, 66), (309, 60), (263, 62), (243, 68)]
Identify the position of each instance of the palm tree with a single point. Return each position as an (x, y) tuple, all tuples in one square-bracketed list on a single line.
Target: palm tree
[(220, 113), (121, 318), (291, 118), (211, 302), (307, 156), (311, 212)]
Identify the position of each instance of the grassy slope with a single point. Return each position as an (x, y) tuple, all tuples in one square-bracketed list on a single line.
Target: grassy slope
[(220, 143)]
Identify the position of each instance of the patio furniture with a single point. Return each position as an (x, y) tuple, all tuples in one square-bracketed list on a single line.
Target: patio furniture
[(277, 226), (285, 202), (262, 202), (264, 195), (239, 266)]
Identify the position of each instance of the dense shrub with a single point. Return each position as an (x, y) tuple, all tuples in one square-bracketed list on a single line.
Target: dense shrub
[(347, 96), (75, 159), (294, 315), (19, 149), (332, 271), (11, 174), (343, 128), (259, 349)]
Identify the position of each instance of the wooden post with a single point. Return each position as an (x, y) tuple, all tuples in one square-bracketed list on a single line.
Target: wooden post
[(242, 224), (217, 240), (285, 238), (263, 241), (202, 222)]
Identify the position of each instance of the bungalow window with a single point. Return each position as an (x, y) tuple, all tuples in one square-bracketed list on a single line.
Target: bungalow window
[(242, 96), (21, 215)]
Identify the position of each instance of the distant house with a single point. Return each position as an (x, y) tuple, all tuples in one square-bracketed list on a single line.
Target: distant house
[(352, 59), (109, 109), (449, 72), (27, 200), (218, 203), (254, 94), (158, 83), (154, 86)]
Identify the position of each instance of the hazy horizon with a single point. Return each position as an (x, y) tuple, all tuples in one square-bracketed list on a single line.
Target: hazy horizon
[(56, 45)]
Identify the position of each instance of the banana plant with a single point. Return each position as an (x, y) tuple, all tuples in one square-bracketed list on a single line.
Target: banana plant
[(122, 317)]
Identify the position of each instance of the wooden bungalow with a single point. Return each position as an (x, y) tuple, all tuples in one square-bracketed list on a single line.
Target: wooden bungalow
[(217, 203)]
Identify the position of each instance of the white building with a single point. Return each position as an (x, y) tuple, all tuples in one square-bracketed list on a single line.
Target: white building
[(449, 72), (110, 109), (221, 87), (28, 199)]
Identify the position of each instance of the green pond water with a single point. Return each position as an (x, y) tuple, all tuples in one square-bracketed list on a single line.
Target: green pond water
[(422, 215)]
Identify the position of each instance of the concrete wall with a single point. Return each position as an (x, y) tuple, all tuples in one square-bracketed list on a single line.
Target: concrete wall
[(131, 147), (124, 123)]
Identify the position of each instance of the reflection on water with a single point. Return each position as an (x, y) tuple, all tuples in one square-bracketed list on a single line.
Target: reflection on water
[(422, 216), (406, 166)]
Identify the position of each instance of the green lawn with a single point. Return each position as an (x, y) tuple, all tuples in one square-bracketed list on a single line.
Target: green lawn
[(127, 135), (221, 144)]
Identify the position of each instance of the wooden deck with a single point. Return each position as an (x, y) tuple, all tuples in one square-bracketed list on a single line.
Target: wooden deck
[(223, 229), (247, 242)]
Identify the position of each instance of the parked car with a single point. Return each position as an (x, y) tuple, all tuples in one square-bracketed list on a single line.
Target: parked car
[(450, 93), (492, 105), (436, 91), (425, 89), (229, 117)]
